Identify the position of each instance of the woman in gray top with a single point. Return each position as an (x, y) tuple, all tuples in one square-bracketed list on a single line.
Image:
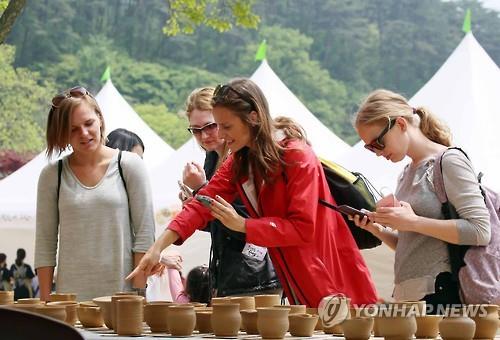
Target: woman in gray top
[(98, 221), (416, 228)]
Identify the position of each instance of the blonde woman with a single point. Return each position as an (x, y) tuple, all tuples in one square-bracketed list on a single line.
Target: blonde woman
[(418, 232), (233, 271), (98, 221)]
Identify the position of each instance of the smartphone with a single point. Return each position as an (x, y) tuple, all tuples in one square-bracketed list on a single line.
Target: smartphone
[(388, 201), (205, 200), (350, 211), (185, 190)]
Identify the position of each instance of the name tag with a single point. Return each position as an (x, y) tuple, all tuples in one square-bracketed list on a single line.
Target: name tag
[(254, 252)]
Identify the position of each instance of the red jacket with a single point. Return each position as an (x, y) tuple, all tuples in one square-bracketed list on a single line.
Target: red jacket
[(311, 247)]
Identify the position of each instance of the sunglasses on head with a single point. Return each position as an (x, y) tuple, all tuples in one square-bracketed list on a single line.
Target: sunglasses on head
[(210, 127), (221, 95), (378, 143), (75, 92)]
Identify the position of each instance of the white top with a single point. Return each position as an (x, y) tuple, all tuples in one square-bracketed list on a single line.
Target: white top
[(99, 227)]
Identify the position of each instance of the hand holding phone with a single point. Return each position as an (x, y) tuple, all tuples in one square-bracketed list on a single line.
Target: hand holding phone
[(350, 211), (205, 200)]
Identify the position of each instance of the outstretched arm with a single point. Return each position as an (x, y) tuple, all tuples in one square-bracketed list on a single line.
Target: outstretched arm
[(150, 262)]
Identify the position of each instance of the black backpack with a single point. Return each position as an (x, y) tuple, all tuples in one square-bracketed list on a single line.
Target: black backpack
[(353, 189)]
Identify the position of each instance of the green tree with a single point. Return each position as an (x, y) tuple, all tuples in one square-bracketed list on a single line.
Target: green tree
[(9, 11), (187, 15), (169, 126), (288, 53), (24, 104)]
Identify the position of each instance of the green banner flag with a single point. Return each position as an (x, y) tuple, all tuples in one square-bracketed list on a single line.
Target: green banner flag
[(466, 25), (261, 52), (106, 75)]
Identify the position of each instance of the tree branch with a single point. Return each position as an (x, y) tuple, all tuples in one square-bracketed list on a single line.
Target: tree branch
[(9, 17)]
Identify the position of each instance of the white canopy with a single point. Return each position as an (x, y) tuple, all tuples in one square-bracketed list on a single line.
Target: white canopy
[(119, 114), (465, 94), (282, 102)]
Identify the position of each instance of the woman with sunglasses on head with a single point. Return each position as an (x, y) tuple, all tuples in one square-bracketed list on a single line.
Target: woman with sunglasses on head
[(280, 180), (98, 228), (232, 271), (417, 231)]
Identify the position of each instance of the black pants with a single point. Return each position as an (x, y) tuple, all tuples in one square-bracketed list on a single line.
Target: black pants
[(446, 294)]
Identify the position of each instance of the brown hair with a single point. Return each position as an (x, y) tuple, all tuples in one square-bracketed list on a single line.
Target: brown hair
[(381, 104), (59, 122), (265, 156)]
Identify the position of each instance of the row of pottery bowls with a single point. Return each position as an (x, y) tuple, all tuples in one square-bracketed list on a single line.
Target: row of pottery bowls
[(403, 320), (226, 320), (226, 316)]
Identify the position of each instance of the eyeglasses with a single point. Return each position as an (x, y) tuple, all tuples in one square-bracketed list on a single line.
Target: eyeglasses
[(208, 128), (378, 143), (221, 95), (75, 92)]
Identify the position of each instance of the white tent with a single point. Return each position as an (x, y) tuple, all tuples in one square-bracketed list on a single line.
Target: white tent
[(282, 102), (18, 190), (119, 114), (464, 93)]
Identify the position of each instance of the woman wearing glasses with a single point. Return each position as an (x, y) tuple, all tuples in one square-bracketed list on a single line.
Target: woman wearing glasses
[(232, 272), (417, 231), (98, 228), (279, 179)]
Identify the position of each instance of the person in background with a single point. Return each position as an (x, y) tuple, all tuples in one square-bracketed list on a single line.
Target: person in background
[(5, 274), (125, 140), (98, 222), (280, 180), (415, 227), (232, 271), (22, 275), (194, 288)]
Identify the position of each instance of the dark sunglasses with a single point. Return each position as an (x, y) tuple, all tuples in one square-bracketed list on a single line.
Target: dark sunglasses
[(221, 95), (210, 127), (75, 92), (378, 143)]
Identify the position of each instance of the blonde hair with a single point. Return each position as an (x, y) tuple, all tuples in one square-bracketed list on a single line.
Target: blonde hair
[(59, 122), (382, 104), (199, 99)]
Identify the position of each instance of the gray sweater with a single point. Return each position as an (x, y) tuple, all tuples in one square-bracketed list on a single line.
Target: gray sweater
[(92, 231), (420, 258)]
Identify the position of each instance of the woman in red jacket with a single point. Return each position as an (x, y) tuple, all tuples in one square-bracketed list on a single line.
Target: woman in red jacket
[(280, 180)]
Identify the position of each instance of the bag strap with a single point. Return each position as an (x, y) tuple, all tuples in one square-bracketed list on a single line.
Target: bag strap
[(121, 171), (59, 174), (456, 252), (437, 179)]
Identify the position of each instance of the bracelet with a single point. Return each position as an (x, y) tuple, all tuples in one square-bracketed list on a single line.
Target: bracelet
[(201, 186)]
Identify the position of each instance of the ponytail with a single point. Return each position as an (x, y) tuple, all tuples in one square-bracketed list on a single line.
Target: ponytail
[(433, 128)]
